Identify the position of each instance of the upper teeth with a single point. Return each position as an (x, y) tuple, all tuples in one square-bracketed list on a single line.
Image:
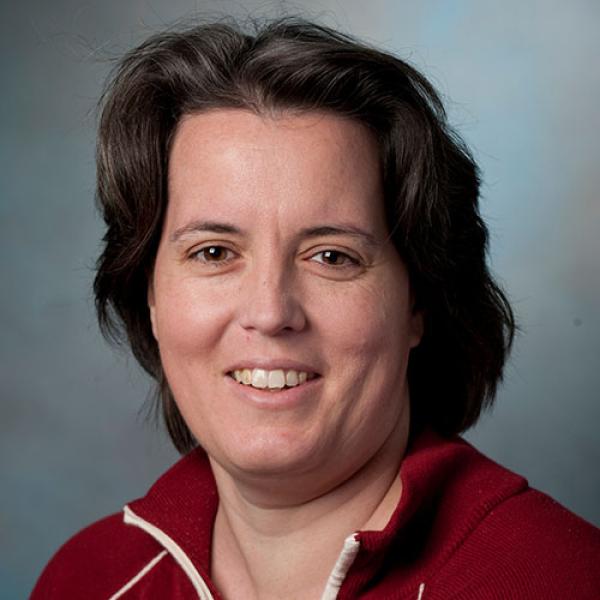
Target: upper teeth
[(276, 379)]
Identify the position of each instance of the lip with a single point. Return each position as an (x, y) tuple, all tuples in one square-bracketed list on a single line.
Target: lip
[(285, 398)]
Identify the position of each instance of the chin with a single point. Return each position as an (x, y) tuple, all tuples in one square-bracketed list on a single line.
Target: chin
[(270, 453)]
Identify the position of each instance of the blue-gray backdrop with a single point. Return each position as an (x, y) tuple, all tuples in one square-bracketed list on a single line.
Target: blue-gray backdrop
[(522, 84)]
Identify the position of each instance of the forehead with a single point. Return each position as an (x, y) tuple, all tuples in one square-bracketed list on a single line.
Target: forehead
[(233, 159)]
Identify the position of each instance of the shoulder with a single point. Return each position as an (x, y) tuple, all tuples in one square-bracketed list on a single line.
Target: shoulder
[(530, 546), (112, 555), (544, 519), (487, 534), (96, 561)]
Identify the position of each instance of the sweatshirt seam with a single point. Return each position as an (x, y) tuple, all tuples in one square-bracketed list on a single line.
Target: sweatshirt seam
[(139, 575), (179, 555)]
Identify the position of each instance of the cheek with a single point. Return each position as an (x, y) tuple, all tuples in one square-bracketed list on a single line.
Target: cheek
[(367, 321), (188, 317), (369, 342)]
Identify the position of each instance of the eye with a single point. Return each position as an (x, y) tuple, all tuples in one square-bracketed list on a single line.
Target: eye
[(212, 254), (334, 258)]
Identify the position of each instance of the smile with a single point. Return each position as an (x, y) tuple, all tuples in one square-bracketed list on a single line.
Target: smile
[(275, 379)]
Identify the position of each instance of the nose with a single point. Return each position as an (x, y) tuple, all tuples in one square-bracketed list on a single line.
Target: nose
[(269, 302)]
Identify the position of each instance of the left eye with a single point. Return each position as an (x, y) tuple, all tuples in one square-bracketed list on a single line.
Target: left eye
[(212, 254), (334, 258)]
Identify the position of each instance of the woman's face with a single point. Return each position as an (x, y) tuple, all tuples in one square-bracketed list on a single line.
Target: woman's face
[(282, 313)]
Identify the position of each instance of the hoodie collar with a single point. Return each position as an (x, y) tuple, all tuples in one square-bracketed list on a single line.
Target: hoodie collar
[(447, 489)]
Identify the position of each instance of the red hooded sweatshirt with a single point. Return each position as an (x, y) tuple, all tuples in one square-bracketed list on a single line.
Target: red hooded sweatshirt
[(465, 528)]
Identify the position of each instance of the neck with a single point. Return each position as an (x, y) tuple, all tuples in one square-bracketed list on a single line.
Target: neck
[(264, 550)]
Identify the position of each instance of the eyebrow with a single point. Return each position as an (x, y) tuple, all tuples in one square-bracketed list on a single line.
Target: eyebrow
[(308, 232), (351, 230), (198, 226)]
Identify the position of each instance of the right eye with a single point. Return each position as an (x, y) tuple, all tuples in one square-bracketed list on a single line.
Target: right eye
[(213, 253)]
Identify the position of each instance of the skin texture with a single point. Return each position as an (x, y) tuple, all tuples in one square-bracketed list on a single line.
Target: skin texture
[(274, 252)]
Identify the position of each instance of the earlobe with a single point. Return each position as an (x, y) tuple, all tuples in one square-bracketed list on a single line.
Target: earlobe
[(152, 306), (417, 320), (417, 328)]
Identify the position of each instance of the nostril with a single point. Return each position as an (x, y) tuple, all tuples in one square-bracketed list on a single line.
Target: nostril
[(271, 308)]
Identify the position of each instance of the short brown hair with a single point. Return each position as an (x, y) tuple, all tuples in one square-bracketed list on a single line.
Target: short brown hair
[(431, 189)]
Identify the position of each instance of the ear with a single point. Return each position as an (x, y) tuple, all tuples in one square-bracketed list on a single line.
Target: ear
[(417, 320), (152, 305), (417, 327)]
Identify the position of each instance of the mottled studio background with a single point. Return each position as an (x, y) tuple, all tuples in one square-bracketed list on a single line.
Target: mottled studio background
[(522, 82)]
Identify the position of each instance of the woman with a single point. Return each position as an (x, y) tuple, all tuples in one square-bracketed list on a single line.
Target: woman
[(294, 252)]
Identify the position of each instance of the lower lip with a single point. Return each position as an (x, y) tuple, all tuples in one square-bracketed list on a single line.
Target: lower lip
[(284, 398)]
